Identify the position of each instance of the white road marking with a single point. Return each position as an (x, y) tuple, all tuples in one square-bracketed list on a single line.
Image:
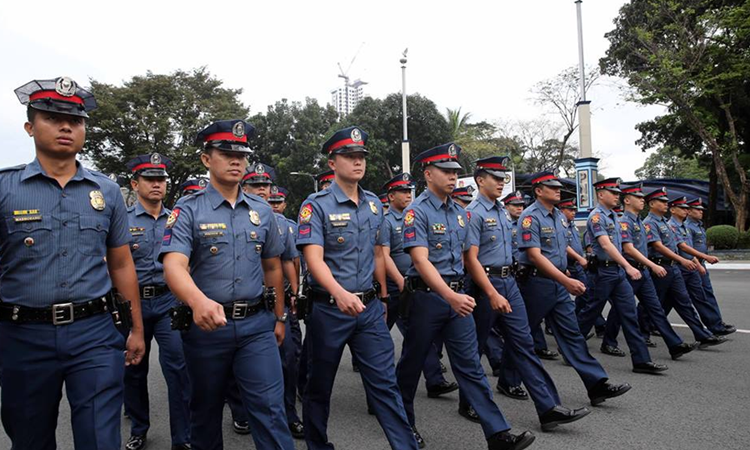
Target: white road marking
[(681, 325)]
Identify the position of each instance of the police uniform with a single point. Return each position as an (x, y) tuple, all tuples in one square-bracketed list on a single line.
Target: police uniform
[(671, 288), (192, 185), (324, 179), (698, 235), (54, 325), (545, 298), (347, 233), (610, 283), (634, 232), (156, 301), (441, 227), (225, 245), (707, 311), (464, 194), (490, 232)]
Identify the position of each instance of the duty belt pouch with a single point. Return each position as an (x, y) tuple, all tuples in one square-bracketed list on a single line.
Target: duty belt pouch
[(523, 273), (269, 298), (404, 300), (591, 263), (303, 301), (122, 314), (182, 317)]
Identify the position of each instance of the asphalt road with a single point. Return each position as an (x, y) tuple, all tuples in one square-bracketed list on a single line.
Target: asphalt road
[(703, 401)]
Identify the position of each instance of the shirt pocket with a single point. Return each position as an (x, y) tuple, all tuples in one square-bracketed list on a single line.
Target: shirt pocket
[(214, 248), (548, 239), (30, 239), (256, 242), (140, 245), (339, 238), (438, 243), (94, 231)]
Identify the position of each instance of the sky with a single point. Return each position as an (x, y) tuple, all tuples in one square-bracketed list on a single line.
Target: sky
[(480, 56)]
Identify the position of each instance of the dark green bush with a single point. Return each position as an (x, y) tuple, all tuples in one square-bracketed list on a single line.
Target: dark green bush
[(723, 237), (744, 242)]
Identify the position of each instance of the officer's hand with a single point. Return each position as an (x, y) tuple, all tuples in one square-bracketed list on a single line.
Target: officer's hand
[(209, 315), (349, 303), (633, 273), (584, 263), (659, 271), (575, 287), (712, 259), (499, 303), (135, 348), (279, 331), (689, 265), (701, 269), (461, 303)]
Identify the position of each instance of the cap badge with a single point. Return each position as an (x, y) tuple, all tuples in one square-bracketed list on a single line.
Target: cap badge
[(274, 190), (356, 135), (202, 182), (406, 177), (155, 159), (452, 151), (238, 129), (259, 169), (65, 86)]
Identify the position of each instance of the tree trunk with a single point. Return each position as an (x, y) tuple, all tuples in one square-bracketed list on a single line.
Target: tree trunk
[(713, 195)]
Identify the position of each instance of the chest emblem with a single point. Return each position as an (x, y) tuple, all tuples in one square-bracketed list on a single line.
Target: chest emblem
[(373, 208), (438, 228), (96, 198), (172, 219), (254, 217), (461, 222)]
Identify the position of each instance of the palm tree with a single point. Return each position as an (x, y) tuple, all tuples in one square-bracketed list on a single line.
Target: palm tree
[(457, 123)]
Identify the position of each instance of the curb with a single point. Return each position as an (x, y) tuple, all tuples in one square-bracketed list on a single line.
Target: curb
[(728, 266)]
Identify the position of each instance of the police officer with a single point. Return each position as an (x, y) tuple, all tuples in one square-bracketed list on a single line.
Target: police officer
[(489, 261), (258, 180), (338, 228), (662, 250), (192, 185), (384, 202), (147, 218), (463, 195), (324, 179), (694, 223), (610, 273), (219, 245), (64, 247), (545, 287), (635, 250), (435, 228), (708, 311)]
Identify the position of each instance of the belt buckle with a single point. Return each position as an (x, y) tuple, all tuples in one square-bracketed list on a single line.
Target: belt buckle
[(505, 271), (149, 291), (62, 313), (360, 296), (239, 310), (454, 285)]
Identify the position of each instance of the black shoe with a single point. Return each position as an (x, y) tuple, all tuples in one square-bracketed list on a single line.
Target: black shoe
[(599, 332), (355, 368), (182, 447), (728, 329), (590, 335), (514, 392), (682, 349), (443, 369), (655, 333), (711, 341), (546, 353), (560, 415), (241, 426), (442, 388), (496, 372), (612, 351), (604, 390), (370, 411), (650, 368), (136, 442), (418, 437), (297, 430), (650, 343), (506, 441), (469, 413)]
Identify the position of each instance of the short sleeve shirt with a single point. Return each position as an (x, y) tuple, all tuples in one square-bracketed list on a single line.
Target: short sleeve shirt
[(697, 234), (604, 222), (391, 236), (546, 230), (146, 236), (491, 231), (659, 231), (633, 231), (683, 235)]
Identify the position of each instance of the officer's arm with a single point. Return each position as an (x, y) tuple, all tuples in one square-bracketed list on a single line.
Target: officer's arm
[(273, 276), (539, 261), (291, 274), (379, 273), (691, 251), (665, 251), (177, 276), (572, 254), (612, 252), (476, 271), (420, 256), (391, 270), (124, 279), (629, 249)]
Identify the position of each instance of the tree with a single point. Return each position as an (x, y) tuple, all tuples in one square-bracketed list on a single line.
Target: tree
[(691, 56), (158, 113), (669, 163), (534, 146)]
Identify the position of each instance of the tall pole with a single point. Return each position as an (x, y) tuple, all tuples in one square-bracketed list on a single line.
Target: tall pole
[(581, 68), (405, 156)]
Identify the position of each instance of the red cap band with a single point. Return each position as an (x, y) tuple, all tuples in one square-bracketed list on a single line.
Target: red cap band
[(605, 185), (149, 166), (492, 166), (543, 178), (397, 183), (225, 136), (344, 143), (55, 96), (438, 158), (192, 187)]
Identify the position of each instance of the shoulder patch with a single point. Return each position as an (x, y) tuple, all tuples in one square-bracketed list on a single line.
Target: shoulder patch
[(409, 218), (172, 219), (526, 222), (595, 218), (624, 226), (305, 214)]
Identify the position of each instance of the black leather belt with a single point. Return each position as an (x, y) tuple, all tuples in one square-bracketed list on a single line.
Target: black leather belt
[(154, 290), (665, 262), (57, 314), (418, 284), (502, 271), (530, 271), (600, 263), (636, 264), (243, 309), (324, 297)]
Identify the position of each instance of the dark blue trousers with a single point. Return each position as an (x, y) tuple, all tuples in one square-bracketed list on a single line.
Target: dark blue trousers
[(290, 353), (518, 342), (673, 294), (707, 310), (611, 283), (87, 356), (431, 316), (579, 273), (157, 325), (546, 299), (708, 291), (328, 331), (246, 348), (649, 300)]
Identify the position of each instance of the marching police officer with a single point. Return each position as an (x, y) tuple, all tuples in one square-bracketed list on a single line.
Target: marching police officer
[(694, 223), (219, 245), (64, 247), (147, 218), (192, 185), (610, 273), (324, 179), (338, 228), (463, 195), (384, 202), (435, 228), (662, 250), (635, 250), (545, 288), (489, 261)]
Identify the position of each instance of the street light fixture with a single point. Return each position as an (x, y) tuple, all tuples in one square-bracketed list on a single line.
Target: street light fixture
[(405, 156), (305, 174)]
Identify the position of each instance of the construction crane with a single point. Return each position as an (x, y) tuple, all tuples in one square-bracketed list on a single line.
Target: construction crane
[(345, 75)]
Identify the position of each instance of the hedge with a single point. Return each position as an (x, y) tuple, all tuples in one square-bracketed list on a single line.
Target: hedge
[(723, 237)]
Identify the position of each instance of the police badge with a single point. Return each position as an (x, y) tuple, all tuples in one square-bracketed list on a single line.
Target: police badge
[(238, 129), (259, 169), (373, 208), (97, 200), (65, 86), (461, 222), (155, 159), (452, 151), (202, 182), (254, 217), (356, 135)]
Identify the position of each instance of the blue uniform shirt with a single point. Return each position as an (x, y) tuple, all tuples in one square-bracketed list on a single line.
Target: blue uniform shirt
[(574, 240), (540, 228), (147, 234), (490, 230), (53, 240), (439, 227), (683, 235), (697, 234), (391, 236), (659, 231), (346, 231), (225, 245), (633, 231), (287, 237), (604, 222), (514, 239)]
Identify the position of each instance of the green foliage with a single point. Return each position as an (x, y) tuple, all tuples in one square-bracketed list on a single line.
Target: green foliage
[(668, 163), (744, 240), (723, 237)]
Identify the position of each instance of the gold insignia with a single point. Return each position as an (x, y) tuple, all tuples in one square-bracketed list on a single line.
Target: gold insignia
[(258, 248), (373, 208), (26, 215), (136, 246), (623, 226), (28, 242), (253, 235), (461, 222), (97, 200), (493, 238), (212, 226), (438, 246), (254, 217), (340, 240), (214, 249), (595, 218)]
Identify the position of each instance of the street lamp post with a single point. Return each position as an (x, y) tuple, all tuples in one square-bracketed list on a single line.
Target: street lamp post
[(405, 156), (305, 174)]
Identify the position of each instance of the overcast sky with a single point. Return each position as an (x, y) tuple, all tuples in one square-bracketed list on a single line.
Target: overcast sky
[(477, 55)]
